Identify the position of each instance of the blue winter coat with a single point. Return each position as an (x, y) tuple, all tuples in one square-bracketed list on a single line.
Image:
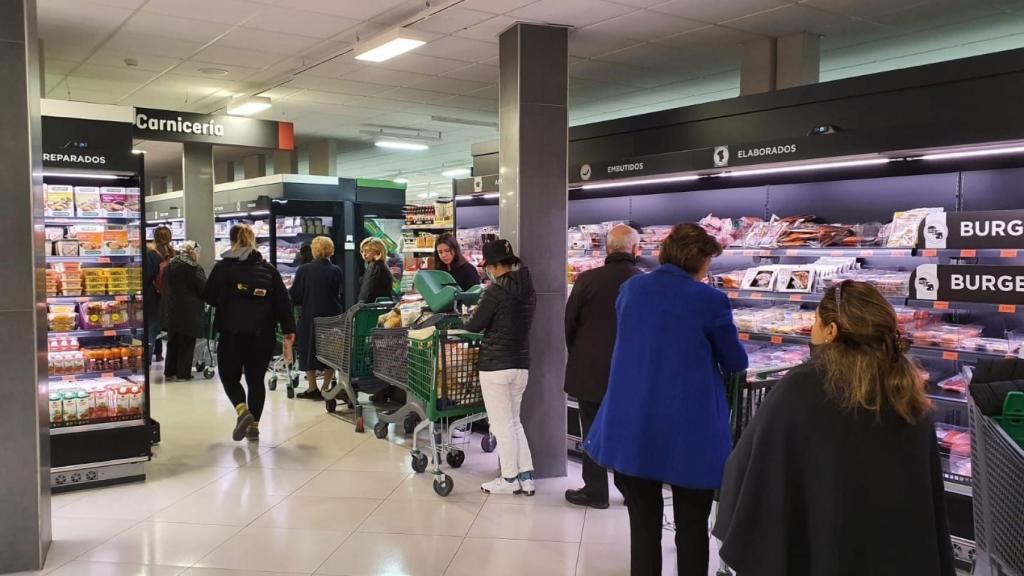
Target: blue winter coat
[(665, 416)]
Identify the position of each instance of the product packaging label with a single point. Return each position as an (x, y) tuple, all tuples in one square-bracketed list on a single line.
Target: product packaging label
[(87, 201), (113, 202), (59, 201)]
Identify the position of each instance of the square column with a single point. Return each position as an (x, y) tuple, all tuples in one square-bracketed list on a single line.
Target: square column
[(197, 195), (533, 132)]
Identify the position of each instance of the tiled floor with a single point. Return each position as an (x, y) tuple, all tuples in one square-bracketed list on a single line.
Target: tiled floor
[(314, 497)]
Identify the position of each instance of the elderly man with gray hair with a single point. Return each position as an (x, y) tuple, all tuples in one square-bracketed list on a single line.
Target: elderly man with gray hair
[(590, 337)]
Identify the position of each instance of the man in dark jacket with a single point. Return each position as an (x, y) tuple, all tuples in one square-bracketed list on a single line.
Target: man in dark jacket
[(251, 303), (590, 339), (504, 315)]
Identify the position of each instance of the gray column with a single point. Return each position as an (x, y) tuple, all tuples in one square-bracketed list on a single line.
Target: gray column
[(24, 422), (533, 129), (798, 60), (255, 166), (285, 162), (323, 158), (223, 171), (757, 68), (197, 189)]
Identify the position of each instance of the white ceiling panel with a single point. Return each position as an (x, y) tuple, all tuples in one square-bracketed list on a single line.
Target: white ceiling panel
[(498, 6), (477, 73), (577, 13), (940, 13), (335, 85), (128, 4), (456, 48), (192, 68), (292, 21), (354, 9), (114, 73), (414, 62), (473, 103), (336, 67), (588, 42), (168, 26), (116, 58), (866, 9), (152, 44), (58, 67), (856, 32), (717, 11), (645, 55), (488, 30), (385, 76), (450, 85), (790, 19), (710, 40), (485, 92), (272, 42), (452, 20), (218, 54), (414, 95), (224, 11), (645, 25)]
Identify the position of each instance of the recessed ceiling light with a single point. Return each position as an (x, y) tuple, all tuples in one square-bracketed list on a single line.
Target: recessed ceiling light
[(395, 145), (137, 151), (455, 172), (388, 46), (209, 71), (401, 180), (248, 106)]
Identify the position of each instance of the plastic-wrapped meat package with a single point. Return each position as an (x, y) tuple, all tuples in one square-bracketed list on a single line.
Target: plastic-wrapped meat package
[(905, 227), (730, 280), (955, 383)]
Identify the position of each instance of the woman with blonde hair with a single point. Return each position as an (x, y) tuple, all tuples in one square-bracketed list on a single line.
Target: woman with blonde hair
[(377, 282), (182, 310), (839, 473), (317, 290), (251, 302)]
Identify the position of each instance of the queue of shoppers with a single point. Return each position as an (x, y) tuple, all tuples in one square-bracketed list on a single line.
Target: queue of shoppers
[(316, 290), (182, 310)]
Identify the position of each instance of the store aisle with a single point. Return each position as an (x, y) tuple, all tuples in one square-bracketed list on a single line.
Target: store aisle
[(314, 497)]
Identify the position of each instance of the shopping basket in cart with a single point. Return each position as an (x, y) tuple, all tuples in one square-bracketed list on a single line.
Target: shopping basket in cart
[(390, 364), (343, 343), (444, 382), (997, 469)]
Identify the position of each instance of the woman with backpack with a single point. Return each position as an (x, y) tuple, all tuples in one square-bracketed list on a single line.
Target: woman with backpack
[(251, 302), (181, 310), (158, 253)]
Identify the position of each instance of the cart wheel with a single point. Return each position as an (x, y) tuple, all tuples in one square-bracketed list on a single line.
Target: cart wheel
[(290, 392), (200, 366), (419, 462), (455, 458), (332, 406), (209, 372), (410, 423), (443, 486), (295, 381), (380, 429), (488, 443), (272, 385)]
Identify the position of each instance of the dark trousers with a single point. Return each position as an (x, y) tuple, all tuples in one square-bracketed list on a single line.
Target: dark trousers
[(180, 350), (248, 355), (691, 509), (595, 476)]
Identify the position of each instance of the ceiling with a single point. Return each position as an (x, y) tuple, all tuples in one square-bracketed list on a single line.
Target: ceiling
[(626, 57)]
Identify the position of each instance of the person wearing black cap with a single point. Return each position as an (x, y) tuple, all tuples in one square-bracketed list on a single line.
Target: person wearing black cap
[(504, 315)]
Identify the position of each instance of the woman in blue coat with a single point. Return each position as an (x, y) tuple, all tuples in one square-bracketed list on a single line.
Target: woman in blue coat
[(665, 419)]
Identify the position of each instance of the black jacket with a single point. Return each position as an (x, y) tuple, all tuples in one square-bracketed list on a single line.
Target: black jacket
[(814, 489), (504, 315), (150, 297), (317, 289), (181, 303), (249, 295), (377, 283), (464, 272), (590, 326)]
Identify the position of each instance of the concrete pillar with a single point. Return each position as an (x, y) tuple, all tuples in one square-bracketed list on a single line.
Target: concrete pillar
[(285, 162), (24, 423), (323, 158), (757, 69), (238, 168), (159, 185), (223, 171), (798, 60), (197, 169), (533, 129), (255, 166)]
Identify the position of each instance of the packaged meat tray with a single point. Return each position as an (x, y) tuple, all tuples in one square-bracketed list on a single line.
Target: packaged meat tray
[(991, 345), (948, 336)]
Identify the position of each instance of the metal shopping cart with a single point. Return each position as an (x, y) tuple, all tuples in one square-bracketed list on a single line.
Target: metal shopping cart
[(281, 370), (206, 347), (343, 343), (997, 467)]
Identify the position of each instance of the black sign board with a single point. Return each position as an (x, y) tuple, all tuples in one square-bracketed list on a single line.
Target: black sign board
[(991, 229), (964, 283), (170, 126), (74, 143)]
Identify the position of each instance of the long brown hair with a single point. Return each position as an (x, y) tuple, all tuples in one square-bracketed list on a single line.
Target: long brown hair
[(866, 366), (162, 245), (449, 240)]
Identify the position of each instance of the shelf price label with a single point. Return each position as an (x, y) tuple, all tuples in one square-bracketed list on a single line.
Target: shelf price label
[(941, 305), (107, 375), (110, 332), (1008, 253), (947, 355), (732, 295), (103, 260), (776, 340), (756, 296), (866, 253), (1008, 308), (744, 336), (968, 253), (68, 378), (929, 253), (796, 298)]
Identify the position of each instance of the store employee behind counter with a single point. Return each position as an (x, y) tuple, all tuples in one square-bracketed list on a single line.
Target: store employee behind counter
[(590, 339), (448, 257)]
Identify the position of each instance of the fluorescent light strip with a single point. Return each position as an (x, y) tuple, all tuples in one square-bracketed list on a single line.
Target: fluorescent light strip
[(390, 49), (455, 172), (260, 213), (400, 145), (807, 167), (86, 176), (971, 153), (601, 185), (232, 215)]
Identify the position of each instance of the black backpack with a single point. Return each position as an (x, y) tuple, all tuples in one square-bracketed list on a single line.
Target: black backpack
[(247, 298)]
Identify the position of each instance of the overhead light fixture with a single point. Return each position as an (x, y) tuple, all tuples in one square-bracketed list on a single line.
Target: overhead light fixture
[(455, 172), (137, 151), (248, 105), (395, 145), (388, 46), (971, 153), (470, 197), (598, 186), (84, 176), (422, 195), (259, 213), (211, 71), (807, 167), (464, 121), (401, 180)]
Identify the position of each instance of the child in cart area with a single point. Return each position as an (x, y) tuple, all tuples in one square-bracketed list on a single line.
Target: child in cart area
[(251, 302), (504, 315)]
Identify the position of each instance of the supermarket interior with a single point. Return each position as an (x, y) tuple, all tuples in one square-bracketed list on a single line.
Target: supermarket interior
[(436, 192)]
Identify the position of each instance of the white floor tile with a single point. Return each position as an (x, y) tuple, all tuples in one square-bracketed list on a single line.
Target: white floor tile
[(264, 480), (499, 519), (112, 569), (611, 525), (223, 572), (162, 543), (217, 505), (353, 484), (436, 517), (295, 458), (514, 558), (378, 455), (393, 554), (316, 513), (421, 486), (275, 550), (73, 537)]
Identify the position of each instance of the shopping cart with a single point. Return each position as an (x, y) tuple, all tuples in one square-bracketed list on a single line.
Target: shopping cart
[(390, 364), (281, 369), (206, 347), (997, 467), (343, 343)]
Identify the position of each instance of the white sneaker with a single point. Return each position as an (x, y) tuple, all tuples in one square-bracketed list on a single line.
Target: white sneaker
[(527, 488), (500, 486)]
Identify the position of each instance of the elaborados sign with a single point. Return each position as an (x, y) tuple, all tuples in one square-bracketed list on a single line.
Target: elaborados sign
[(210, 127)]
